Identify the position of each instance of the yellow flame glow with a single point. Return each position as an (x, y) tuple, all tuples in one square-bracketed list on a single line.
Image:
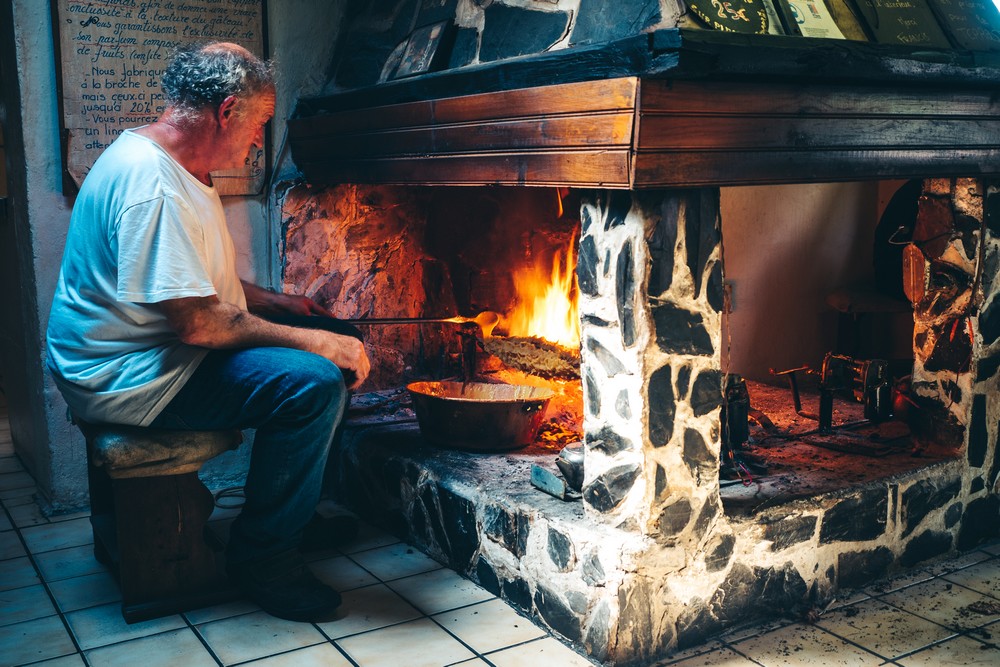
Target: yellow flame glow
[(546, 302)]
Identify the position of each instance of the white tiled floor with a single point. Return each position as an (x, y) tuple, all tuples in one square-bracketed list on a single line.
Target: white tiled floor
[(60, 608)]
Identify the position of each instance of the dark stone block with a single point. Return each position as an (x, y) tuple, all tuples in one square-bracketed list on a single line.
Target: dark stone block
[(951, 353), (557, 615), (707, 392), (599, 633), (716, 293), (976, 485), (924, 497), (978, 435), (608, 361), (701, 216), (857, 518), (991, 211), (433, 11), (428, 506), (560, 550), (622, 405), (487, 577), (719, 555), (586, 266), (577, 602), (696, 453), (783, 534), (458, 516), (662, 243), (660, 487), (607, 263), (608, 490), (608, 441), (635, 603), (466, 46), (925, 546), (679, 331), (517, 593), (513, 31), (502, 527), (862, 567), (661, 407), (708, 513), (593, 571), (601, 21), (674, 518), (953, 515), (980, 522), (987, 367), (625, 293), (592, 393), (592, 321), (683, 380), (619, 204), (586, 217)]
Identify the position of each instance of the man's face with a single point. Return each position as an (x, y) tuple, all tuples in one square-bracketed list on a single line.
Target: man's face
[(246, 130)]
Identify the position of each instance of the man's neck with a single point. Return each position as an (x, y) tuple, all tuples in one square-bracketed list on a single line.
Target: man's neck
[(183, 142)]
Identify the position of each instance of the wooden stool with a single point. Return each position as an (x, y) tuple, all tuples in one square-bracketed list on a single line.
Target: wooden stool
[(149, 513)]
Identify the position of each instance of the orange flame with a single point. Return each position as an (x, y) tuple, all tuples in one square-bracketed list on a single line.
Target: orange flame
[(546, 302)]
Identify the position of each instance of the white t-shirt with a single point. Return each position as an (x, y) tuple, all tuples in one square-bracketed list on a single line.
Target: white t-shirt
[(143, 230)]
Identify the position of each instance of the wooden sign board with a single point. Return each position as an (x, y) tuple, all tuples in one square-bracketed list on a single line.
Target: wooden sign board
[(112, 55), (973, 24), (904, 22)]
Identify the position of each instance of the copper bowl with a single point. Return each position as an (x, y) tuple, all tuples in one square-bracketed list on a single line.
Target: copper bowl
[(477, 415)]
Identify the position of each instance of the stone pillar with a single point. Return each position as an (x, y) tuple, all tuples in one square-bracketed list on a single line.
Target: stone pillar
[(650, 276)]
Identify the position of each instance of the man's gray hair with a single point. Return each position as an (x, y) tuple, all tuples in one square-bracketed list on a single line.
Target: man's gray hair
[(202, 76)]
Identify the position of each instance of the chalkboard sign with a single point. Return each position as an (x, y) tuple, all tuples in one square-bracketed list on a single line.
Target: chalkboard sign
[(112, 54), (906, 22), (973, 24), (748, 16)]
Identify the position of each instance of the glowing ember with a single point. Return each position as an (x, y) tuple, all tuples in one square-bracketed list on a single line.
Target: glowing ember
[(546, 302)]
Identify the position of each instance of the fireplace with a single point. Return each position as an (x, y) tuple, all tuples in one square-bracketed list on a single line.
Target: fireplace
[(422, 195)]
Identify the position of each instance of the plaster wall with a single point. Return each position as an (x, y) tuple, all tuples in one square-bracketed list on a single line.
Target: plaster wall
[(301, 37), (786, 248)]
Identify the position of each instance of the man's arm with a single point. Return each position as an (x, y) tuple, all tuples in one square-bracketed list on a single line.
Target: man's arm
[(208, 322), (261, 301)]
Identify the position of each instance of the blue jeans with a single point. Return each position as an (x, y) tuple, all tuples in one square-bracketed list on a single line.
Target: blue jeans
[(295, 400)]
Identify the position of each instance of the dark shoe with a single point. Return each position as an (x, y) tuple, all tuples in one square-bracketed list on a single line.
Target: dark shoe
[(328, 532), (284, 587)]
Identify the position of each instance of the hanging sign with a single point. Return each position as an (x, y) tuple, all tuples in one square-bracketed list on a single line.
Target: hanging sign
[(111, 56)]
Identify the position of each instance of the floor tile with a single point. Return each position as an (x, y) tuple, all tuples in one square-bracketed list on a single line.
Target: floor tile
[(256, 635), (547, 651), (220, 611), (27, 514), (322, 655), (89, 590), (957, 651), (17, 573), (16, 480), (68, 563), (18, 496), (5, 523), (367, 609), (10, 546), (10, 464), (69, 516), (75, 660), (947, 604), (883, 629), (959, 562), (722, 658), (25, 604), (33, 641), (692, 652), (58, 535), (992, 547), (983, 577), (342, 573), (489, 626), (104, 625), (420, 643), (804, 645), (395, 561), (439, 590), (369, 537), (169, 649)]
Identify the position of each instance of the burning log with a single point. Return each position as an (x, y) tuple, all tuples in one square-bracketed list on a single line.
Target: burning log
[(535, 356)]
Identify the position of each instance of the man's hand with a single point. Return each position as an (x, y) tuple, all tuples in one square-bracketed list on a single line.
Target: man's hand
[(207, 322), (265, 302)]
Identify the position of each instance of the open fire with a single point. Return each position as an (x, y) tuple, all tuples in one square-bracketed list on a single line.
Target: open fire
[(546, 301)]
